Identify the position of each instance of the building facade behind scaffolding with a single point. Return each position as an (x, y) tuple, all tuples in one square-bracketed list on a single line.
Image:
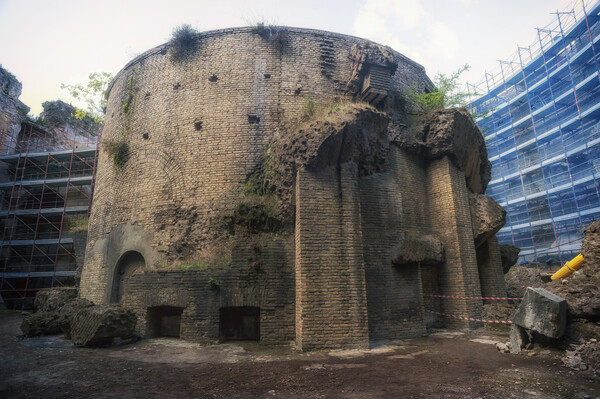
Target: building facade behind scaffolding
[(46, 183), (542, 131)]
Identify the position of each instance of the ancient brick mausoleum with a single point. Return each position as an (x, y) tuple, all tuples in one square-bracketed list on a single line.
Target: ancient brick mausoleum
[(280, 184)]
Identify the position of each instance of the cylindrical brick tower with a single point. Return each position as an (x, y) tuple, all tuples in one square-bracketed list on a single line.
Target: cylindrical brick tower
[(253, 178)]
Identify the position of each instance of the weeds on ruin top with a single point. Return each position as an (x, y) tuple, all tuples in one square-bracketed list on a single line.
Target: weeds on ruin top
[(277, 36), (202, 265), (182, 41), (194, 266)]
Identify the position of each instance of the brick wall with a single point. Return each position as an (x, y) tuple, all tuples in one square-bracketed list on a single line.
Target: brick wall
[(392, 204), (331, 308), (451, 222), (269, 286), (490, 269)]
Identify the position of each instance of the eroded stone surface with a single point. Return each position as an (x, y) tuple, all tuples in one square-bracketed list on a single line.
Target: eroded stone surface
[(52, 299), (509, 254), (518, 338), (41, 323), (426, 249), (451, 132), (97, 325), (542, 312), (519, 278), (487, 217)]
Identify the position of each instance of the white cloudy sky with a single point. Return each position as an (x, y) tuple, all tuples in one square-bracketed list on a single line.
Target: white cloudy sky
[(49, 42)]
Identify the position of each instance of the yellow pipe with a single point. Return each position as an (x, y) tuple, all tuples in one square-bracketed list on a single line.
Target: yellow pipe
[(569, 268)]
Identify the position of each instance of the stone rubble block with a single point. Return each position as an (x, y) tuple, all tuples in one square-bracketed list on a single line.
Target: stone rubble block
[(425, 249), (52, 299), (518, 338), (41, 323), (509, 255), (542, 312), (99, 324), (487, 217)]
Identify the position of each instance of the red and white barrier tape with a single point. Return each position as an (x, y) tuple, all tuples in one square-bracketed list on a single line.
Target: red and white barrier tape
[(471, 297), (469, 318)]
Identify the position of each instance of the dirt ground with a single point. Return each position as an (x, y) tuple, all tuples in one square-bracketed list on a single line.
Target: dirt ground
[(442, 365)]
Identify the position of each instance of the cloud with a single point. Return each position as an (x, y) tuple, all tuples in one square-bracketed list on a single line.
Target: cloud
[(369, 24), (406, 26), (443, 40)]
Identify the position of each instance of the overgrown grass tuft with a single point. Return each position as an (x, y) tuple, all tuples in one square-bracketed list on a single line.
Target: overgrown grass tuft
[(182, 41)]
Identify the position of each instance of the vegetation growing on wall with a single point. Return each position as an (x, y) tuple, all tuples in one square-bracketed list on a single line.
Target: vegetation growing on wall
[(254, 214), (182, 41), (78, 223), (118, 150), (277, 36), (118, 147), (93, 94), (11, 80), (214, 283), (259, 182), (447, 95)]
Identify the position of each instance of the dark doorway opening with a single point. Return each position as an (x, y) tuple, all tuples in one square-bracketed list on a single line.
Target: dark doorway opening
[(238, 323), (164, 321)]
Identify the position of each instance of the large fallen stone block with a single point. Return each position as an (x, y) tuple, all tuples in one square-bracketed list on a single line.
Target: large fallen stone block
[(509, 254), (99, 324), (52, 299), (542, 312), (41, 323), (425, 249), (518, 338), (67, 313), (487, 217)]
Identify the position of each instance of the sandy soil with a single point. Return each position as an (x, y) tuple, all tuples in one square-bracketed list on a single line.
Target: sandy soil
[(442, 365)]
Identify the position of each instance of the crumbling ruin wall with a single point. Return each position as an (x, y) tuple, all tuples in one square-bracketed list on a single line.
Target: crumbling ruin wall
[(12, 111), (252, 138)]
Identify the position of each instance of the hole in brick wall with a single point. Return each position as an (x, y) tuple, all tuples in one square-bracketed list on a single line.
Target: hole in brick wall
[(176, 86), (213, 78), (164, 321), (198, 125), (112, 115), (298, 91), (145, 136), (253, 119), (239, 323), (163, 51), (147, 95), (267, 75)]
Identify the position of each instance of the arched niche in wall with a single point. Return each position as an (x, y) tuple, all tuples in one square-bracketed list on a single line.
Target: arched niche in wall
[(129, 263)]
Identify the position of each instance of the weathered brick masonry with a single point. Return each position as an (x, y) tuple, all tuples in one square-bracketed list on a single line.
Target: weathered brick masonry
[(371, 201)]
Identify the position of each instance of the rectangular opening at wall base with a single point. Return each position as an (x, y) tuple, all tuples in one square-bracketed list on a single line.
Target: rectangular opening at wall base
[(239, 323), (164, 321)]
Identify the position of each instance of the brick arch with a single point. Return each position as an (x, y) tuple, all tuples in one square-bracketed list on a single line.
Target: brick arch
[(138, 164)]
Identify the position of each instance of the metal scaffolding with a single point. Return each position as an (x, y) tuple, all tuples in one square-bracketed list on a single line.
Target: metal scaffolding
[(542, 131), (46, 186)]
